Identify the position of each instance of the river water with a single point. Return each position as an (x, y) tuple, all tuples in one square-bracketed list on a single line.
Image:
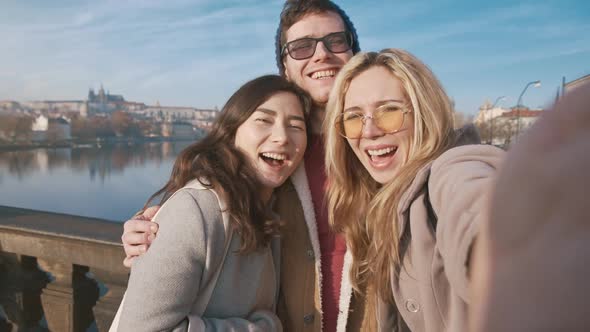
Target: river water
[(108, 182)]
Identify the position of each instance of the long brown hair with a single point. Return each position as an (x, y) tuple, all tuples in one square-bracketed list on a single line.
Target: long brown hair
[(358, 206), (218, 164)]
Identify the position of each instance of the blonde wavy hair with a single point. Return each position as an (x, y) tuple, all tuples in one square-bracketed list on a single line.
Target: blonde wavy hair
[(359, 207)]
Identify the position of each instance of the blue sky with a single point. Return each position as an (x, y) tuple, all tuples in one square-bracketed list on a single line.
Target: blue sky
[(197, 52)]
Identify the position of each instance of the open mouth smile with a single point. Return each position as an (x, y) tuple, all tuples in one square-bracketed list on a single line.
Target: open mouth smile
[(381, 156), (323, 74), (274, 159)]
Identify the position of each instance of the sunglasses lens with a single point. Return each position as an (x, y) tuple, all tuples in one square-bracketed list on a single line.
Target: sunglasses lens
[(337, 42), (352, 125), (302, 48), (389, 119)]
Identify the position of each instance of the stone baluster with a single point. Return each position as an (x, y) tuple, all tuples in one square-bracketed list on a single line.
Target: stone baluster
[(85, 296), (20, 293), (106, 307), (68, 298)]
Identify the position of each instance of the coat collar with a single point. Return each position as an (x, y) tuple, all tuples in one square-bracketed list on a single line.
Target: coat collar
[(462, 136), (301, 185), (411, 193)]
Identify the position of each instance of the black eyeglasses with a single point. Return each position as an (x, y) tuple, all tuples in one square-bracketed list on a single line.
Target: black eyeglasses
[(303, 48)]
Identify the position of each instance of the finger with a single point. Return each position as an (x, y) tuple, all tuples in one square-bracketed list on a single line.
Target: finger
[(131, 251), (133, 224), (137, 238), (128, 261), (150, 212), (139, 226)]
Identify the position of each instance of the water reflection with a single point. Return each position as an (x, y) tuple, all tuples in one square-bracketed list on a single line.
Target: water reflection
[(110, 181), (99, 162)]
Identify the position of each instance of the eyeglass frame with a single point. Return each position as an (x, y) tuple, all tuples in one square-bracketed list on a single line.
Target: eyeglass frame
[(340, 122), (347, 34)]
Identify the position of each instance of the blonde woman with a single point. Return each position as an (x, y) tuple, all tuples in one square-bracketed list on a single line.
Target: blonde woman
[(407, 198)]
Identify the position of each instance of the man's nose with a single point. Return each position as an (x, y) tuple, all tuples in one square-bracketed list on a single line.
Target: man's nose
[(321, 51)]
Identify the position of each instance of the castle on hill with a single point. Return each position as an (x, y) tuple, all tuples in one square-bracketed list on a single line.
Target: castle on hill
[(103, 103)]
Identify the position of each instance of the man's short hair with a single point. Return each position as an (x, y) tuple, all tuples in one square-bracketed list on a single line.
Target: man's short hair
[(295, 10)]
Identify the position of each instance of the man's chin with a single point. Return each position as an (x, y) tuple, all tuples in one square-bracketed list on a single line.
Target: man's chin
[(320, 99), (320, 104)]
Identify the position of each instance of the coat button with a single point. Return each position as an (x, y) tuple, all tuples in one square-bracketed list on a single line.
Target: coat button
[(412, 305), (308, 319), (310, 254)]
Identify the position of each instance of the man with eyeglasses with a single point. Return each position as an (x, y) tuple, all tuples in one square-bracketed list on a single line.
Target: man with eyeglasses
[(314, 40)]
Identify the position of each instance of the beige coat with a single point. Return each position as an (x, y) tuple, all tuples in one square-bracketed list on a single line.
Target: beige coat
[(300, 300), (431, 290)]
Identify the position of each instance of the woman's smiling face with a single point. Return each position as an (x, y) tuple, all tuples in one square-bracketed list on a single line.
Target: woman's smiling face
[(274, 139), (382, 154)]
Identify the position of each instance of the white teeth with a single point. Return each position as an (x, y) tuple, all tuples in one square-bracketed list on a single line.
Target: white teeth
[(323, 74), (381, 152), (275, 156)]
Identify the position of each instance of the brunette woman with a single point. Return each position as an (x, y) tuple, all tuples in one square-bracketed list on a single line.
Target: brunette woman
[(214, 264)]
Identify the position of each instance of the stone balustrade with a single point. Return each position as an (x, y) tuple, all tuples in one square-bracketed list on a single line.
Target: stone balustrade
[(59, 272)]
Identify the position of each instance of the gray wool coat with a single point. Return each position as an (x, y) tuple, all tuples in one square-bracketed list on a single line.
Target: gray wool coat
[(167, 283)]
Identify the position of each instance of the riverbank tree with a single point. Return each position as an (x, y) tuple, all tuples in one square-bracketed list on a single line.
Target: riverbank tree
[(15, 128)]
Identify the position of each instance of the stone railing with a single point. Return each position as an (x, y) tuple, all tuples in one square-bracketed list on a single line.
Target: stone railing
[(59, 272)]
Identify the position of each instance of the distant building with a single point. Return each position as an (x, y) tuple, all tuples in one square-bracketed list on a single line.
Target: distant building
[(487, 113), (103, 104), (526, 115), (170, 113), (103, 97), (8, 105), (50, 129), (100, 103), (55, 106), (500, 126), (570, 86), (131, 106), (518, 120), (178, 129), (175, 112), (200, 118)]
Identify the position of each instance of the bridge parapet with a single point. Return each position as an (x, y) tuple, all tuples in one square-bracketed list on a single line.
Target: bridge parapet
[(59, 270)]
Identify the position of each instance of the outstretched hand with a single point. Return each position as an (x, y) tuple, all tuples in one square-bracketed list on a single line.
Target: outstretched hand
[(530, 267), (138, 234)]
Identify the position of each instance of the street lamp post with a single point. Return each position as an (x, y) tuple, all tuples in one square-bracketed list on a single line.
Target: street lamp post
[(535, 84), (492, 118)]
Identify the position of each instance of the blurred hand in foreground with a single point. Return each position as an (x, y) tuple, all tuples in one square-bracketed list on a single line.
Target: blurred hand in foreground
[(530, 266)]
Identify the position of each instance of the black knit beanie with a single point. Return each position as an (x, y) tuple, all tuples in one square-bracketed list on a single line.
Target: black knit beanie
[(347, 24)]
